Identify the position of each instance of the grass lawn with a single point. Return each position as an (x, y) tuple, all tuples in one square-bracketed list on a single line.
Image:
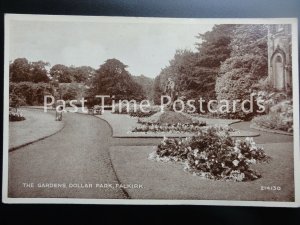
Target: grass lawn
[(37, 125), (169, 180)]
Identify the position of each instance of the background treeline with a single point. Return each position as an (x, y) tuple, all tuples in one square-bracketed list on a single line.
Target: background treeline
[(30, 81), (230, 61)]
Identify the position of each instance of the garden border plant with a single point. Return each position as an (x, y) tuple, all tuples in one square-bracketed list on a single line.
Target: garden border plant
[(213, 154)]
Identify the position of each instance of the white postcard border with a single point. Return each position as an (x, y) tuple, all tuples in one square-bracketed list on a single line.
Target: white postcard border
[(295, 72)]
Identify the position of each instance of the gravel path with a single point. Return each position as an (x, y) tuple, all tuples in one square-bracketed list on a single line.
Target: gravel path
[(75, 156)]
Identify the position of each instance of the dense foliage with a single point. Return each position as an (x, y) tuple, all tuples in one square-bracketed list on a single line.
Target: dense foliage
[(68, 74), (280, 117), (113, 79), (21, 70), (146, 84), (28, 93), (195, 72), (245, 67), (229, 63)]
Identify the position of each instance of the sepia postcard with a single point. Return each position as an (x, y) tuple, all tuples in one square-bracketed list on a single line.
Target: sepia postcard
[(163, 111)]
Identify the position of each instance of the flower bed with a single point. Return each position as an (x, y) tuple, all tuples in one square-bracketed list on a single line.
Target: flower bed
[(15, 116), (169, 122), (213, 154), (169, 127)]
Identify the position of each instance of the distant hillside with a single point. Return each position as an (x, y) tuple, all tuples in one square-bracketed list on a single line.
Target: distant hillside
[(147, 85)]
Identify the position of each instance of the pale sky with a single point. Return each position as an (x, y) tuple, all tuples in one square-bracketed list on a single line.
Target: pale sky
[(145, 48)]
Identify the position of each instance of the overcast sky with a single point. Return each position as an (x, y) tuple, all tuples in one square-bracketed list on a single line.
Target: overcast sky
[(145, 48)]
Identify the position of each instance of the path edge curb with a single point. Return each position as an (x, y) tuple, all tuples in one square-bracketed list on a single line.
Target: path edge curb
[(39, 139)]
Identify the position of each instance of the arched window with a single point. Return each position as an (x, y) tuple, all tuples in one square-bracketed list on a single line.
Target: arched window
[(278, 59)]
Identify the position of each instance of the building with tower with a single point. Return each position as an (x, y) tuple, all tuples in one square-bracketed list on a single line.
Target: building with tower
[(280, 57)]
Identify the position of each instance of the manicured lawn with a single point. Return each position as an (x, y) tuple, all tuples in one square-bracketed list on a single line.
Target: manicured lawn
[(37, 125), (169, 180)]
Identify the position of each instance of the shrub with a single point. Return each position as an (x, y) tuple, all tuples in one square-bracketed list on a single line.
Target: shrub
[(139, 113), (29, 93), (233, 85), (280, 117), (274, 121), (135, 110), (16, 100), (213, 154)]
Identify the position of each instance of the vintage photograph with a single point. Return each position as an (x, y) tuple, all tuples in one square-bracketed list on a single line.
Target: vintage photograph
[(123, 110)]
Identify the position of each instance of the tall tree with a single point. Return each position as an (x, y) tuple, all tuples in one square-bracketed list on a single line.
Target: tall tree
[(213, 49), (39, 72), (246, 65), (146, 84), (19, 70), (112, 78), (82, 74), (195, 73), (179, 69), (61, 73), (22, 70)]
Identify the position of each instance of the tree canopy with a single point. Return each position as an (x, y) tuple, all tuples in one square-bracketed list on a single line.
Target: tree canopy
[(195, 73), (113, 79), (21, 70), (68, 74), (246, 65)]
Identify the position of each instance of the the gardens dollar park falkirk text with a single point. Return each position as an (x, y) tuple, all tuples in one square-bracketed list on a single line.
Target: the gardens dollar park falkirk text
[(250, 105)]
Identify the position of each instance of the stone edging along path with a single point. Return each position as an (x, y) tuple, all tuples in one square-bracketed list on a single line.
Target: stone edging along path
[(38, 138), (253, 126)]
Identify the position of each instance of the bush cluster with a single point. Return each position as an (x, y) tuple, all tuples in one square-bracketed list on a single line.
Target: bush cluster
[(28, 93), (139, 113), (280, 117)]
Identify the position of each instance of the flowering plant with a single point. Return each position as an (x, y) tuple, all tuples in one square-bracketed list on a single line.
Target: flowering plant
[(179, 127), (15, 116), (213, 154)]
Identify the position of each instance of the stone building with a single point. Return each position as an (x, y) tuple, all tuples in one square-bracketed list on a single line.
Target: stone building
[(280, 57)]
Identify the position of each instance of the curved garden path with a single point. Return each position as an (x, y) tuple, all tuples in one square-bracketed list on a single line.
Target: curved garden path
[(78, 154)]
